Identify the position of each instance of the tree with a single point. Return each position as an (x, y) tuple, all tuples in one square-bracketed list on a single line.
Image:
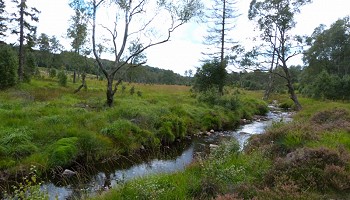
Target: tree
[(7, 66), (220, 20), (24, 25), (43, 42), (210, 76), (3, 19), (330, 49), (277, 16), (176, 13), (77, 31), (327, 62)]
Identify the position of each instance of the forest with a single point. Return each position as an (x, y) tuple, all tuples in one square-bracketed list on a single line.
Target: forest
[(76, 119)]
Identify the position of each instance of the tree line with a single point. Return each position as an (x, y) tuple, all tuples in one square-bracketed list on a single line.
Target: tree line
[(325, 73)]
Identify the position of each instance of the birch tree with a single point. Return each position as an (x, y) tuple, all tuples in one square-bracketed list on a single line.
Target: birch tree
[(140, 23), (275, 19)]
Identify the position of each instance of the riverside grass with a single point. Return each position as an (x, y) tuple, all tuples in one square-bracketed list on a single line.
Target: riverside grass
[(47, 125), (308, 158)]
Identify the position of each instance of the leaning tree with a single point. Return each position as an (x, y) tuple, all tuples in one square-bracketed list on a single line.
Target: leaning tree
[(143, 24), (275, 19)]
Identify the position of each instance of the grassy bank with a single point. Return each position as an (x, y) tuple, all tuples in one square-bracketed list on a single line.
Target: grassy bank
[(46, 125), (308, 158)]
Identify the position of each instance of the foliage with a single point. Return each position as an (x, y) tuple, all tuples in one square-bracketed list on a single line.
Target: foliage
[(62, 78), (8, 67), (63, 152), (52, 72), (29, 189), (326, 75), (275, 19), (211, 75)]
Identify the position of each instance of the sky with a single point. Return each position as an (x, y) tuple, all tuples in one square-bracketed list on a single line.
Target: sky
[(183, 52)]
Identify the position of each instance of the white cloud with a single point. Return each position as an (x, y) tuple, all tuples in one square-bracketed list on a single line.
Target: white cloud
[(183, 52)]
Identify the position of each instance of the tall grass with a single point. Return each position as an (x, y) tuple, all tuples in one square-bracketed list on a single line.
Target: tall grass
[(58, 128)]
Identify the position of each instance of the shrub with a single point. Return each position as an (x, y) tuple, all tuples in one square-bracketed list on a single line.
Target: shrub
[(52, 73), (8, 64), (132, 90), (310, 168), (62, 79), (63, 152), (29, 189)]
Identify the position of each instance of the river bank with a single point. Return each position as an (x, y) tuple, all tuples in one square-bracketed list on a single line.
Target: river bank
[(170, 160), (45, 125), (303, 159)]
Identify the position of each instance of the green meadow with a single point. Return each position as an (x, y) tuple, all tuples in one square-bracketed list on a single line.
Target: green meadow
[(47, 125)]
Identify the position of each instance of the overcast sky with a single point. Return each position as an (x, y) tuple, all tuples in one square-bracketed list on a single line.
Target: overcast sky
[(183, 52)]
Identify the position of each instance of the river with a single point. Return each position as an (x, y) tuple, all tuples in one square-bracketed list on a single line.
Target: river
[(167, 160)]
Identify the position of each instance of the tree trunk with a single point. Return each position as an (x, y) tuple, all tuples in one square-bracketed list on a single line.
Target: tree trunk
[(291, 90), (21, 44), (83, 83), (74, 77), (268, 90), (110, 91)]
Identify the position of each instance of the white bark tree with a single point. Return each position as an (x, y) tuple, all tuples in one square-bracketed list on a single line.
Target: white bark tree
[(142, 22)]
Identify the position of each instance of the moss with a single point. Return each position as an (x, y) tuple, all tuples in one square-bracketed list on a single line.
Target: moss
[(63, 152)]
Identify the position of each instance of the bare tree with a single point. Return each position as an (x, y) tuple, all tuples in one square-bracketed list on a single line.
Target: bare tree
[(167, 14)]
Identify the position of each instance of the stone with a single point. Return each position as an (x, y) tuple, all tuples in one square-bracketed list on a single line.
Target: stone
[(213, 146), (68, 173), (212, 131)]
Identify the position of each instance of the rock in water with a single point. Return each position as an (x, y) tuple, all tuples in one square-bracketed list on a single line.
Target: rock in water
[(68, 173)]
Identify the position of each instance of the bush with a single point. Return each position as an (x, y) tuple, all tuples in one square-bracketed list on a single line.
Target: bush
[(311, 168), (52, 73), (63, 152), (8, 67), (62, 79)]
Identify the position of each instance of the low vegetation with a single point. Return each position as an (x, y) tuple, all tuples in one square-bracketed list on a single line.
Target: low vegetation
[(308, 158), (45, 124)]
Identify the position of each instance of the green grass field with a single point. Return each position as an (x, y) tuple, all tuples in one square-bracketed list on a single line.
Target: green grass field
[(46, 125)]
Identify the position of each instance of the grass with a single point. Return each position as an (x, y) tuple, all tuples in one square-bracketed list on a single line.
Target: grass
[(47, 125), (308, 158)]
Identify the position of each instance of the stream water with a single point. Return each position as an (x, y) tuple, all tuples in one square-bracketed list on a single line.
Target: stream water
[(166, 161)]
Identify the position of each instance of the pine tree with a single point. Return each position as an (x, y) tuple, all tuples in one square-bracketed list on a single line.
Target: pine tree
[(25, 31)]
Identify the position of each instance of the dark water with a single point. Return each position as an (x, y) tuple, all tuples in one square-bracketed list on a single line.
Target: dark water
[(165, 161)]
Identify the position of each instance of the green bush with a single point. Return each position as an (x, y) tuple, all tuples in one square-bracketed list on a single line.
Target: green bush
[(62, 79), (52, 73), (8, 67), (63, 152)]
